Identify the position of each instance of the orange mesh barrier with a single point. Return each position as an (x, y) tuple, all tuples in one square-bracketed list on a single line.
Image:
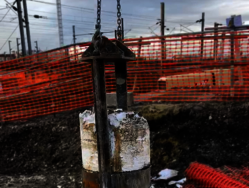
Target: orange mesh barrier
[(168, 69), (43, 84), (203, 176)]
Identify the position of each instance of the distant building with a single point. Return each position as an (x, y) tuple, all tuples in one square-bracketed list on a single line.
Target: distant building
[(6, 57)]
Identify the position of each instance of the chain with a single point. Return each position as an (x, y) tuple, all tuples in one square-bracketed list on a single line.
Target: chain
[(119, 30), (98, 26)]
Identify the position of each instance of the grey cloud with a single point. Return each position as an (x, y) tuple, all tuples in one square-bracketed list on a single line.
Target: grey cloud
[(138, 16)]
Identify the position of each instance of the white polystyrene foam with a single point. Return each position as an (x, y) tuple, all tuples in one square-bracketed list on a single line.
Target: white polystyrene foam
[(116, 118), (166, 174), (89, 153), (87, 116)]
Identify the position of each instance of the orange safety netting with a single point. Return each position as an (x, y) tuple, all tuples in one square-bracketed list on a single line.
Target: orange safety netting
[(199, 175), (189, 67)]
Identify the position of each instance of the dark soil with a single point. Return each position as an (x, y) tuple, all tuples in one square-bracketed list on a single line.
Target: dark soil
[(49, 147)]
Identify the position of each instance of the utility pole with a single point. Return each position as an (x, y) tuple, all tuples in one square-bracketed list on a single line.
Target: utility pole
[(10, 46), (19, 9), (202, 20), (74, 40), (162, 27), (162, 34), (202, 30), (36, 46), (60, 26), (27, 26), (162, 19), (232, 26), (216, 25), (5, 56), (17, 46)]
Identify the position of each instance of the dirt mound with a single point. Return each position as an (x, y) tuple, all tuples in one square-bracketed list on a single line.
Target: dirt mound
[(41, 144), (211, 133)]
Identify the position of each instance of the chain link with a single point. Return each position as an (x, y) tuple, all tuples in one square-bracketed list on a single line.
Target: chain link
[(119, 30), (98, 26)]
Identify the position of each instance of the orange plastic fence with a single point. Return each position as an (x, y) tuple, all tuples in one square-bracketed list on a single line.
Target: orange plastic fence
[(204, 176), (191, 67)]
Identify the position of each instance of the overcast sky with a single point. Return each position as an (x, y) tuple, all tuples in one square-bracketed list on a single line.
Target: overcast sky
[(138, 16)]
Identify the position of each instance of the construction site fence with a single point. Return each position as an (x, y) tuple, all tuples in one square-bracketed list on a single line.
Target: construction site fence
[(200, 175), (175, 68)]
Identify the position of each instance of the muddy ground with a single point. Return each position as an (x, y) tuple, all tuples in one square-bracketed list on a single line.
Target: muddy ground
[(45, 151)]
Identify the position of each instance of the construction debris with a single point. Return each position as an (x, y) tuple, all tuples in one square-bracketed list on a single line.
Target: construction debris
[(166, 174)]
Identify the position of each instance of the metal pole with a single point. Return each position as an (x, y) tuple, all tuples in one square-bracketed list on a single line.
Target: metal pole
[(122, 24), (60, 26), (181, 48), (103, 140), (232, 59), (215, 40), (10, 47), (162, 28), (17, 46), (74, 40), (202, 30), (121, 84), (27, 26), (36, 46), (21, 27), (5, 56), (162, 34), (232, 63), (138, 59)]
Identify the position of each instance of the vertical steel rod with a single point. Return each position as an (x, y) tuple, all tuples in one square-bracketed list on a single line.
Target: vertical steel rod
[(122, 22), (121, 84), (103, 138)]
